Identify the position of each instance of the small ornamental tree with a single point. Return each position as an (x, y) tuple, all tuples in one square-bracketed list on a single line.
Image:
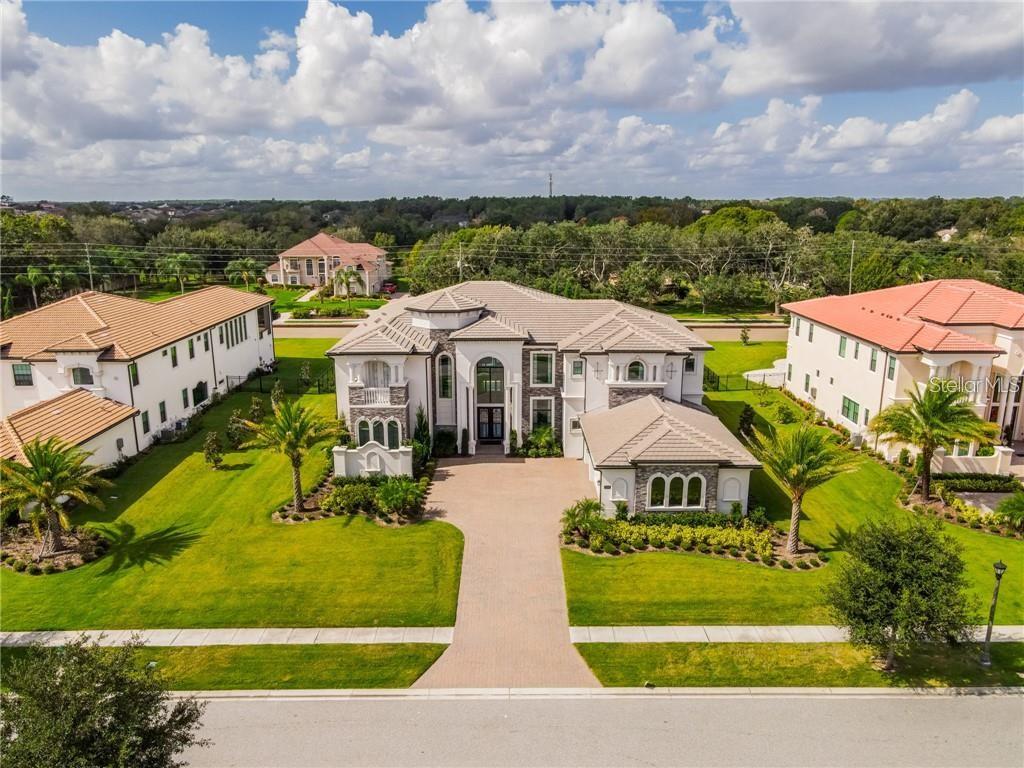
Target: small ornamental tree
[(747, 416), (901, 586), (235, 430), (82, 705), (745, 335), (213, 450), (257, 411)]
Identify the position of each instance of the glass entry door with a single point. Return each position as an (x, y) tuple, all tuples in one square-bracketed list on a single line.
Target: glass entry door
[(490, 423)]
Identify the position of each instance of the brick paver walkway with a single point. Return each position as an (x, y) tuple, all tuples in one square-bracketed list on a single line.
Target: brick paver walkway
[(512, 628)]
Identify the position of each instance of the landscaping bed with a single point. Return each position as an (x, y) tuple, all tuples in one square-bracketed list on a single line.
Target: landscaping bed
[(20, 545), (387, 501)]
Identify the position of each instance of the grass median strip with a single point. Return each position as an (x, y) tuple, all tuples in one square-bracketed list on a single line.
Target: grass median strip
[(243, 667), (797, 664)]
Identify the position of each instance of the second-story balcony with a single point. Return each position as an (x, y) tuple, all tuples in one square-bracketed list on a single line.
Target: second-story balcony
[(377, 395), (396, 394)]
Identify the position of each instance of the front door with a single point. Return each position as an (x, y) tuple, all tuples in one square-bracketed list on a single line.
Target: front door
[(490, 423)]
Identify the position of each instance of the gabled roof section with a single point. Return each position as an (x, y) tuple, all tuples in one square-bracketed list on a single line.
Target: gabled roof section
[(921, 317), (118, 327), (515, 312), (384, 334), (650, 430), (323, 244), (492, 328), (74, 417), (444, 300)]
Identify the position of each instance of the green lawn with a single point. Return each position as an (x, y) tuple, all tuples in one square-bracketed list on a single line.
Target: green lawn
[(797, 664), (690, 588), (195, 547), (733, 358), (246, 667), (287, 299)]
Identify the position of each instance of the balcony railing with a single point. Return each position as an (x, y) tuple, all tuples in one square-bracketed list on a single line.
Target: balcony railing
[(377, 395)]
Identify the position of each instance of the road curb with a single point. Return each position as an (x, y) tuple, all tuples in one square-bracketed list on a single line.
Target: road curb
[(527, 694)]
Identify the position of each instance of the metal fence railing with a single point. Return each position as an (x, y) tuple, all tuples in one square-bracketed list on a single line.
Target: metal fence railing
[(292, 385), (727, 382)]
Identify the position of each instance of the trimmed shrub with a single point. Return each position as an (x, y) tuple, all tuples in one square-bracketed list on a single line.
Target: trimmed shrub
[(19, 565), (401, 496), (787, 564), (34, 569), (803, 565)]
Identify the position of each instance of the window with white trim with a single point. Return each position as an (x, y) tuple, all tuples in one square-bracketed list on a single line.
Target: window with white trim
[(851, 409), (81, 376), (842, 346), (676, 492), (574, 425), (689, 364), (22, 374), (873, 364), (363, 432), (891, 373), (542, 369), (444, 377), (542, 412), (636, 371), (394, 435), (577, 369)]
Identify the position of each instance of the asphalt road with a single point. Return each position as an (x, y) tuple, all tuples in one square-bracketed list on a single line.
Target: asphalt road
[(699, 731)]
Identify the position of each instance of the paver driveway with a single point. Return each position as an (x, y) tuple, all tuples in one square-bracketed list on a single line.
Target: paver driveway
[(512, 628)]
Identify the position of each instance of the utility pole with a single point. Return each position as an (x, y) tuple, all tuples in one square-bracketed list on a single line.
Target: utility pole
[(853, 246), (460, 262), (551, 185), (88, 261)]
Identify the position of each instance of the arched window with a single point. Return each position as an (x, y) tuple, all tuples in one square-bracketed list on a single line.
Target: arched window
[(378, 432), (444, 377), (490, 381), (695, 491), (675, 492), (364, 432), (81, 376), (636, 371), (656, 492), (393, 438), (378, 374)]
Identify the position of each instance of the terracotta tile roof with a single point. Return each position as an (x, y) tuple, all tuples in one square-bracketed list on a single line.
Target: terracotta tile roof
[(919, 317), (118, 327), (544, 319), (652, 430), (75, 417), (323, 244)]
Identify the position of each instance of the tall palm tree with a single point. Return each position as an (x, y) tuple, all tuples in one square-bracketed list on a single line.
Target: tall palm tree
[(181, 266), (243, 270), (53, 470), (938, 417), (349, 281), (34, 278), (800, 459), (291, 430)]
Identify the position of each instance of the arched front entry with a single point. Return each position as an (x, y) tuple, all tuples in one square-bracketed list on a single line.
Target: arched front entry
[(490, 400)]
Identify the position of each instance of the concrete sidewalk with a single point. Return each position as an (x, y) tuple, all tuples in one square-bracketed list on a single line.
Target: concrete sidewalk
[(738, 633), (243, 636)]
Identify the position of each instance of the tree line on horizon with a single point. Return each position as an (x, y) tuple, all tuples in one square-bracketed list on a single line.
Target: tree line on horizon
[(651, 251)]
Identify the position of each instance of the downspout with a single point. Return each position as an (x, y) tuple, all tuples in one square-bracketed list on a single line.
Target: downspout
[(131, 396), (213, 358)]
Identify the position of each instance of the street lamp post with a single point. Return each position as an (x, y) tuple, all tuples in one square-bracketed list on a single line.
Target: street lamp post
[(986, 657)]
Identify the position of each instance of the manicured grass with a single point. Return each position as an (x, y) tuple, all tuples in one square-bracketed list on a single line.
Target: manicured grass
[(243, 667), (195, 547), (287, 299), (689, 588), (797, 664), (733, 358)]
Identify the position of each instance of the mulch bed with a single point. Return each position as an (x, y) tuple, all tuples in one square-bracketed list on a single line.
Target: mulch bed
[(940, 509), (20, 547)]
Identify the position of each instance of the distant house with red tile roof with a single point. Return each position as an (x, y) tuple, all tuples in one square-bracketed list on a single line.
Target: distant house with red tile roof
[(318, 260), (851, 356)]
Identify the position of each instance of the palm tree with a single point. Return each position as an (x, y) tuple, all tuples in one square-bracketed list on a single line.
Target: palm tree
[(181, 266), (291, 430), (242, 270), (34, 278), (800, 459), (938, 417), (348, 280), (584, 516), (53, 470)]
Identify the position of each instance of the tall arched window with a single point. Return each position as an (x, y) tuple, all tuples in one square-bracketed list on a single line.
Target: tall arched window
[(656, 492), (636, 371), (364, 432), (675, 492), (81, 376), (695, 491), (378, 432), (444, 377), (393, 438)]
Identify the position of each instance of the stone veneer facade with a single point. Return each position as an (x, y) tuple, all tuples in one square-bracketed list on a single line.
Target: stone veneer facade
[(645, 471), (383, 412), (554, 391), (621, 395)]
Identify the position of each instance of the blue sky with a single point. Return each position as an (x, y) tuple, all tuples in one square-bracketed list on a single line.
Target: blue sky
[(286, 99)]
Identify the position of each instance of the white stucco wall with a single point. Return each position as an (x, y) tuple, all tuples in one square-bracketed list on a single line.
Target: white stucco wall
[(733, 485), (103, 447), (372, 459)]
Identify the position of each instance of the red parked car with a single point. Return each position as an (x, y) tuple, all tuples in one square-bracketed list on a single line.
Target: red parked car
[(389, 287)]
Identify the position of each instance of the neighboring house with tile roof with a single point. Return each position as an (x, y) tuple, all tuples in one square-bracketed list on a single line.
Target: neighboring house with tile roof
[(318, 260), (163, 359), (490, 358), (101, 426), (852, 356)]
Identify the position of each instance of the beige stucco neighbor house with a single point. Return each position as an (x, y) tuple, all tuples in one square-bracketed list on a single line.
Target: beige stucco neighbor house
[(489, 358), (320, 259), (110, 372), (852, 356)]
